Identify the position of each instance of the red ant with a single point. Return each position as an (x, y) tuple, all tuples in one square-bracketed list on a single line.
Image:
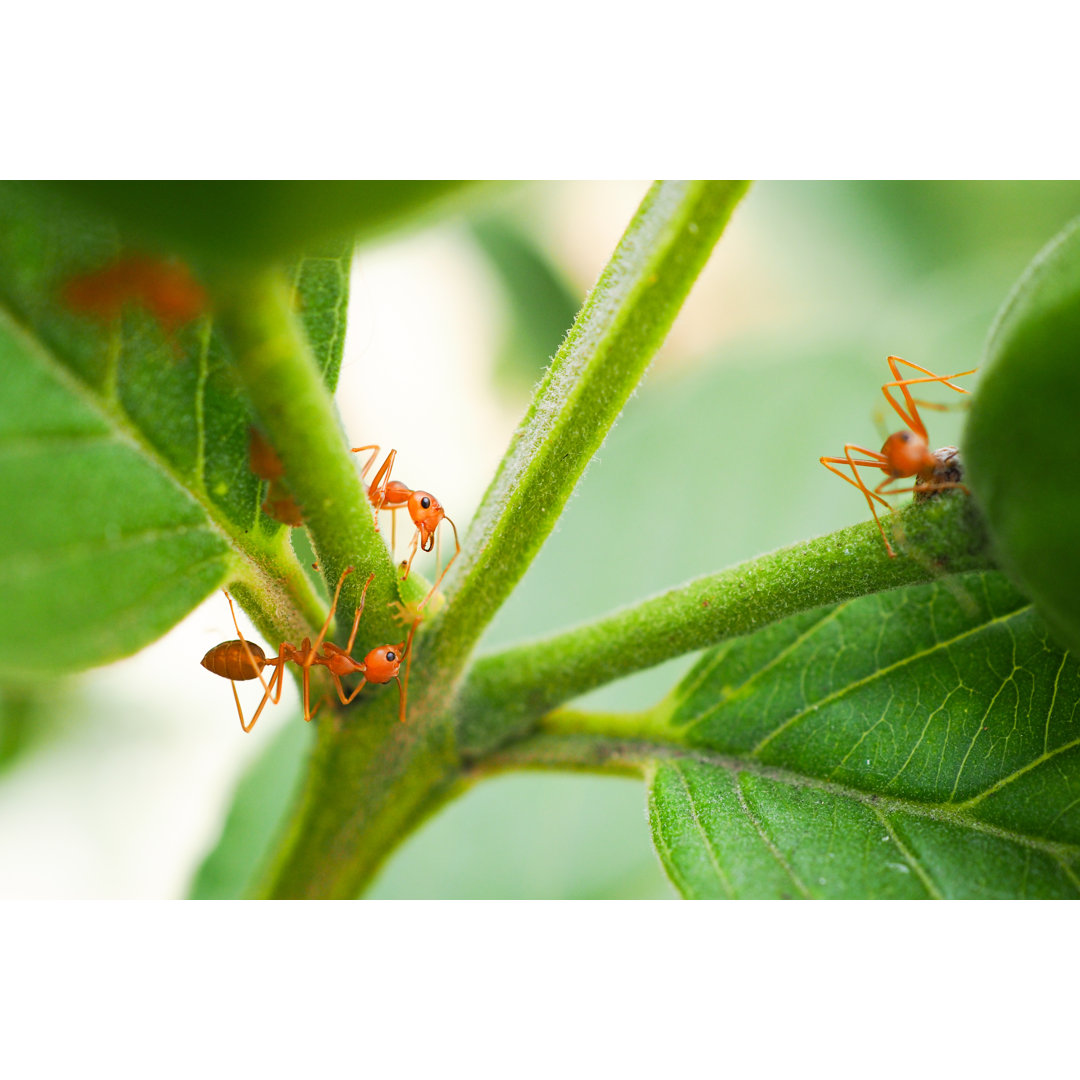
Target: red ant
[(425, 510), (241, 660), (905, 453), (163, 287)]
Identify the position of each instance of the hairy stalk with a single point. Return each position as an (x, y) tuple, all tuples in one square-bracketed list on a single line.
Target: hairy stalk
[(370, 781), (297, 413), (622, 324), (370, 778), (507, 692), (610, 746)]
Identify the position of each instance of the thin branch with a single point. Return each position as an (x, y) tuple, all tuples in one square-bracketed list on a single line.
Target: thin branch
[(507, 692), (297, 413), (622, 324)]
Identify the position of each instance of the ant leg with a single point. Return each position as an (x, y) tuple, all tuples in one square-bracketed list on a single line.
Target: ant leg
[(931, 377), (239, 711), (247, 652), (308, 715), (877, 464), (330, 614), (871, 496), (373, 447), (277, 663), (311, 651), (379, 484), (352, 697), (412, 555), (868, 493), (359, 612), (913, 420), (268, 696), (401, 699), (457, 552)]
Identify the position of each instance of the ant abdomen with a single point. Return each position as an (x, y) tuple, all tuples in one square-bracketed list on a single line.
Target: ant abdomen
[(231, 660)]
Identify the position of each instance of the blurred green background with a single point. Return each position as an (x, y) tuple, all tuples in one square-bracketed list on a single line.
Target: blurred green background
[(777, 358)]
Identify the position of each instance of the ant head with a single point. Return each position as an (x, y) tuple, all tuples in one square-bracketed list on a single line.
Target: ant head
[(906, 452), (381, 664), (426, 512)]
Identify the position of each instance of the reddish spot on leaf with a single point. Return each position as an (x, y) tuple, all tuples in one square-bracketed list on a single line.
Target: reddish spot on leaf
[(163, 287), (266, 465)]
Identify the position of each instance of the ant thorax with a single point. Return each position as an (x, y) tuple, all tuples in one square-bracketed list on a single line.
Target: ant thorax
[(906, 453)]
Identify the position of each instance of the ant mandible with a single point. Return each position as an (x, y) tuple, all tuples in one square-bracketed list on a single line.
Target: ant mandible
[(425, 510), (905, 453), (241, 660)]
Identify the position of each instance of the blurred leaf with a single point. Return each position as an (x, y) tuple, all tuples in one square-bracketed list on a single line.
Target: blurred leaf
[(910, 744), (321, 299), (938, 222), (541, 304), (257, 809), (1020, 445), (125, 476), (261, 219), (28, 714)]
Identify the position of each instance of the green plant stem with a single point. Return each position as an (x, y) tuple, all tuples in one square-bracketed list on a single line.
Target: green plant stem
[(577, 751), (506, 693), (613, 340), (297, 414), (371, 781), (370, 778)]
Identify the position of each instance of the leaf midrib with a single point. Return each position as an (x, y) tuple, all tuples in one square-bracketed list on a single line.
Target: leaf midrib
[(644, 753)]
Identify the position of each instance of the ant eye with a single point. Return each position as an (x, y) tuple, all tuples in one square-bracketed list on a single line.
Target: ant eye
[(905, 436), (390, 657), (425, 502)]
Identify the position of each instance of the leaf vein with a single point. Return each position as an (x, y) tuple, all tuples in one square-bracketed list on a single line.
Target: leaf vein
[(704, 835), (909, 857), (884, 671), (766, 840)]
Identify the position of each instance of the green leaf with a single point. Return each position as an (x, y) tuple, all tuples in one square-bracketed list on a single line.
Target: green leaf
[(125, 484), (1020, 446), (911, 744), (261, 219)]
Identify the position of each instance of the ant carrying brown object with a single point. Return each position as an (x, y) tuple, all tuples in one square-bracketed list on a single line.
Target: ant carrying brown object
[(905, 453), (241, 661), (425, 510)]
